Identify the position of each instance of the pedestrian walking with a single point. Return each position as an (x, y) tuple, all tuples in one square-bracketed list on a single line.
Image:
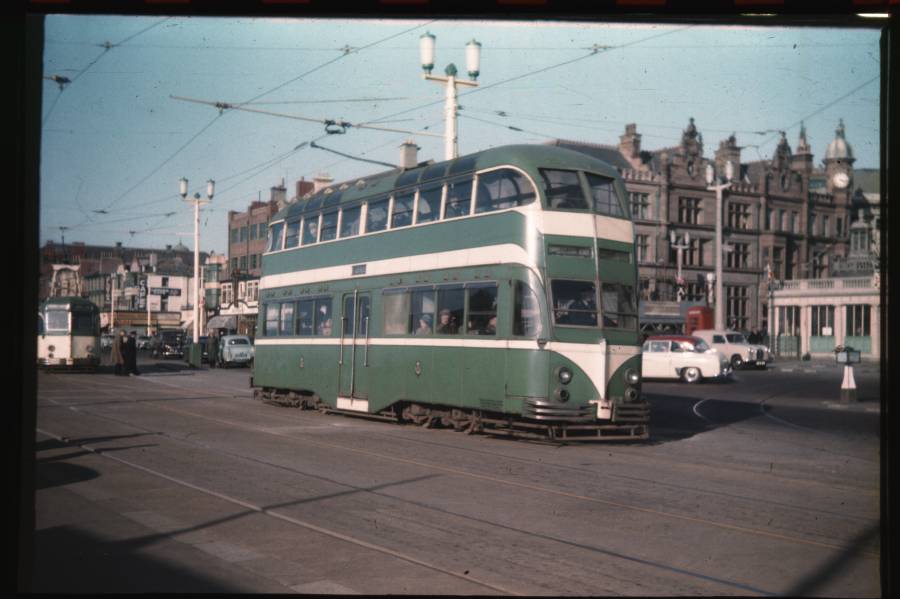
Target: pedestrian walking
[(212, 349), (117, 353), (131, 354)]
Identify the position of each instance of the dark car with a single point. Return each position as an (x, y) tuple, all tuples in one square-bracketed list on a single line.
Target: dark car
[(202, 341), (168, 344)]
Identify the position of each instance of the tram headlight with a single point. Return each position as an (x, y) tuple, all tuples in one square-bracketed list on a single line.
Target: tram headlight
[(565, 375), (632, 377), (51, 347), (90, 348)]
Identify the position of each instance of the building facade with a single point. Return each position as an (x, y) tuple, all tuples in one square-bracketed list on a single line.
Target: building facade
[(783, 219)]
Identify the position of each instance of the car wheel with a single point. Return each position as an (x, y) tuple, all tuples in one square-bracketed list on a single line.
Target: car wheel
[(691, 374), (736, 361)]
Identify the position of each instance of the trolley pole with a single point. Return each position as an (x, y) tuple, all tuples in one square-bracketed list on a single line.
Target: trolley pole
[(473, 55)]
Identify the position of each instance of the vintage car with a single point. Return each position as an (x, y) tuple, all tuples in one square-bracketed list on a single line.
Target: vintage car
[(682, 357), (235, 349), (736, 348), (168, 344)]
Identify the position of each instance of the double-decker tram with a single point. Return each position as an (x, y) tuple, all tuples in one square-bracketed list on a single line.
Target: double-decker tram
[(69, 333), (490, 293)]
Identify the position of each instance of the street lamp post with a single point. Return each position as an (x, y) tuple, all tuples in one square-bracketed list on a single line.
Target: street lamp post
[(713, 185), (196, 201), (473, 57), (679, 248)]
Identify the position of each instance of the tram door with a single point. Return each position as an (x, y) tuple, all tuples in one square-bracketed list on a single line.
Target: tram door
[(353, 361)]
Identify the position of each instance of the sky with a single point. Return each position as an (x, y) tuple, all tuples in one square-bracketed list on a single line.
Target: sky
[(116, 139)]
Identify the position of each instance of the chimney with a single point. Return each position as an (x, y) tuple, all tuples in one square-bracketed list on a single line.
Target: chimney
[(304, 187), (409, 154), (169, 247), (279, 193), (321, 181), (630, 143), (118, 244)]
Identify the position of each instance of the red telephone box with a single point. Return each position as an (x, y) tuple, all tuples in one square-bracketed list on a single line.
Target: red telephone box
[(698, 317)]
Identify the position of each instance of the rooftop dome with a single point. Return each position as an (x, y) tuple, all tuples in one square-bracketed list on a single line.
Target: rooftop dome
[(839, 148), (181, 247)]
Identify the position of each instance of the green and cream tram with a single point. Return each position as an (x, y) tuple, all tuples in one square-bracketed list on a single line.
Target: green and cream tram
[(494, 292), (69, 333)]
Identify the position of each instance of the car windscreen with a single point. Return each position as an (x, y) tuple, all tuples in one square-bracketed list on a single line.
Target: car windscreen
[(238, 341), (735, 338), (701, 346)]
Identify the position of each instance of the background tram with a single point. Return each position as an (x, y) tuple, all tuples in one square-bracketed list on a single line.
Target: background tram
[(69, 333), (492, 292)]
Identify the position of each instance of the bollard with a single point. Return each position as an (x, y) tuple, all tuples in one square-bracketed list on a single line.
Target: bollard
[(848, 357), (848, 385)]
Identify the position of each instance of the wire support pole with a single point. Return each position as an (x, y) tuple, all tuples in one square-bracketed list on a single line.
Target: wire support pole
[(451, 140)]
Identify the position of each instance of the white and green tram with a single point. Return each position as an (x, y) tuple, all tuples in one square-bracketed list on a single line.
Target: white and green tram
[(494, 292), (68, 333)]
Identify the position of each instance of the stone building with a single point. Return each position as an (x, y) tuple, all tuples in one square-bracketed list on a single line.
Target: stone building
[(785, 216)]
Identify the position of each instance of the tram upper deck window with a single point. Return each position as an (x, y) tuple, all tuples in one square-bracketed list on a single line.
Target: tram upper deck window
[(310, 229), (459, 198), (574, 303), (377, 216), (435, 171), (329, 226), (57, 319), (429, 208), (401, 215), (500, 189), (275, 236), (292, 235), (350, 221), (618, 306), (461, 165), (563, 190), (604, 195)]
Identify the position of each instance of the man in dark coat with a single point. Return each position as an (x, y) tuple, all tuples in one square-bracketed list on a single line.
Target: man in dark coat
[(212, 348), (118, 353), (131, 354)]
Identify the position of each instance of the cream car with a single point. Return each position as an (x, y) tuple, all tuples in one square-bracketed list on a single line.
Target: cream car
[(682, 357), (736, 348)]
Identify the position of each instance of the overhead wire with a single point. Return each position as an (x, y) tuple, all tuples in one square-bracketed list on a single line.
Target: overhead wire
[(253, 99)]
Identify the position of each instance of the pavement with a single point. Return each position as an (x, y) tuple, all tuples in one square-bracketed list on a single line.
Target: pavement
[(818, 365)]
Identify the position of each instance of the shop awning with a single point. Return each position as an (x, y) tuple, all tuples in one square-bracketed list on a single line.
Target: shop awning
[(222, 322)]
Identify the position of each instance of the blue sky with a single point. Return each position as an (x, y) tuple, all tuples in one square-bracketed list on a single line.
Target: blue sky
[(114, 140)]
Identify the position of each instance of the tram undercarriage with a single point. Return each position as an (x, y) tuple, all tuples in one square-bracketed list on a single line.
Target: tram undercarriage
[(629, 423)]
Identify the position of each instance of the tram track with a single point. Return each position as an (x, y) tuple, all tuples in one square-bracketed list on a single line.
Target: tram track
[(639, 561), (499, 480)]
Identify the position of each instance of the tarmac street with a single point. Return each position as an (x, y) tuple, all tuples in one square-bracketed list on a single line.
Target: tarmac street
[(177, 481)]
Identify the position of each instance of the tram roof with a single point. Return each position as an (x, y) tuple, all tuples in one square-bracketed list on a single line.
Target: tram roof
[(530, 157), (67, 300)]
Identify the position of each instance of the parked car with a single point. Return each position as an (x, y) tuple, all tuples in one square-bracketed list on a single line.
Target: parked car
[(144, 341), (235, 349), (168, 344), (204, 354), (736, 348), (683, 357)]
